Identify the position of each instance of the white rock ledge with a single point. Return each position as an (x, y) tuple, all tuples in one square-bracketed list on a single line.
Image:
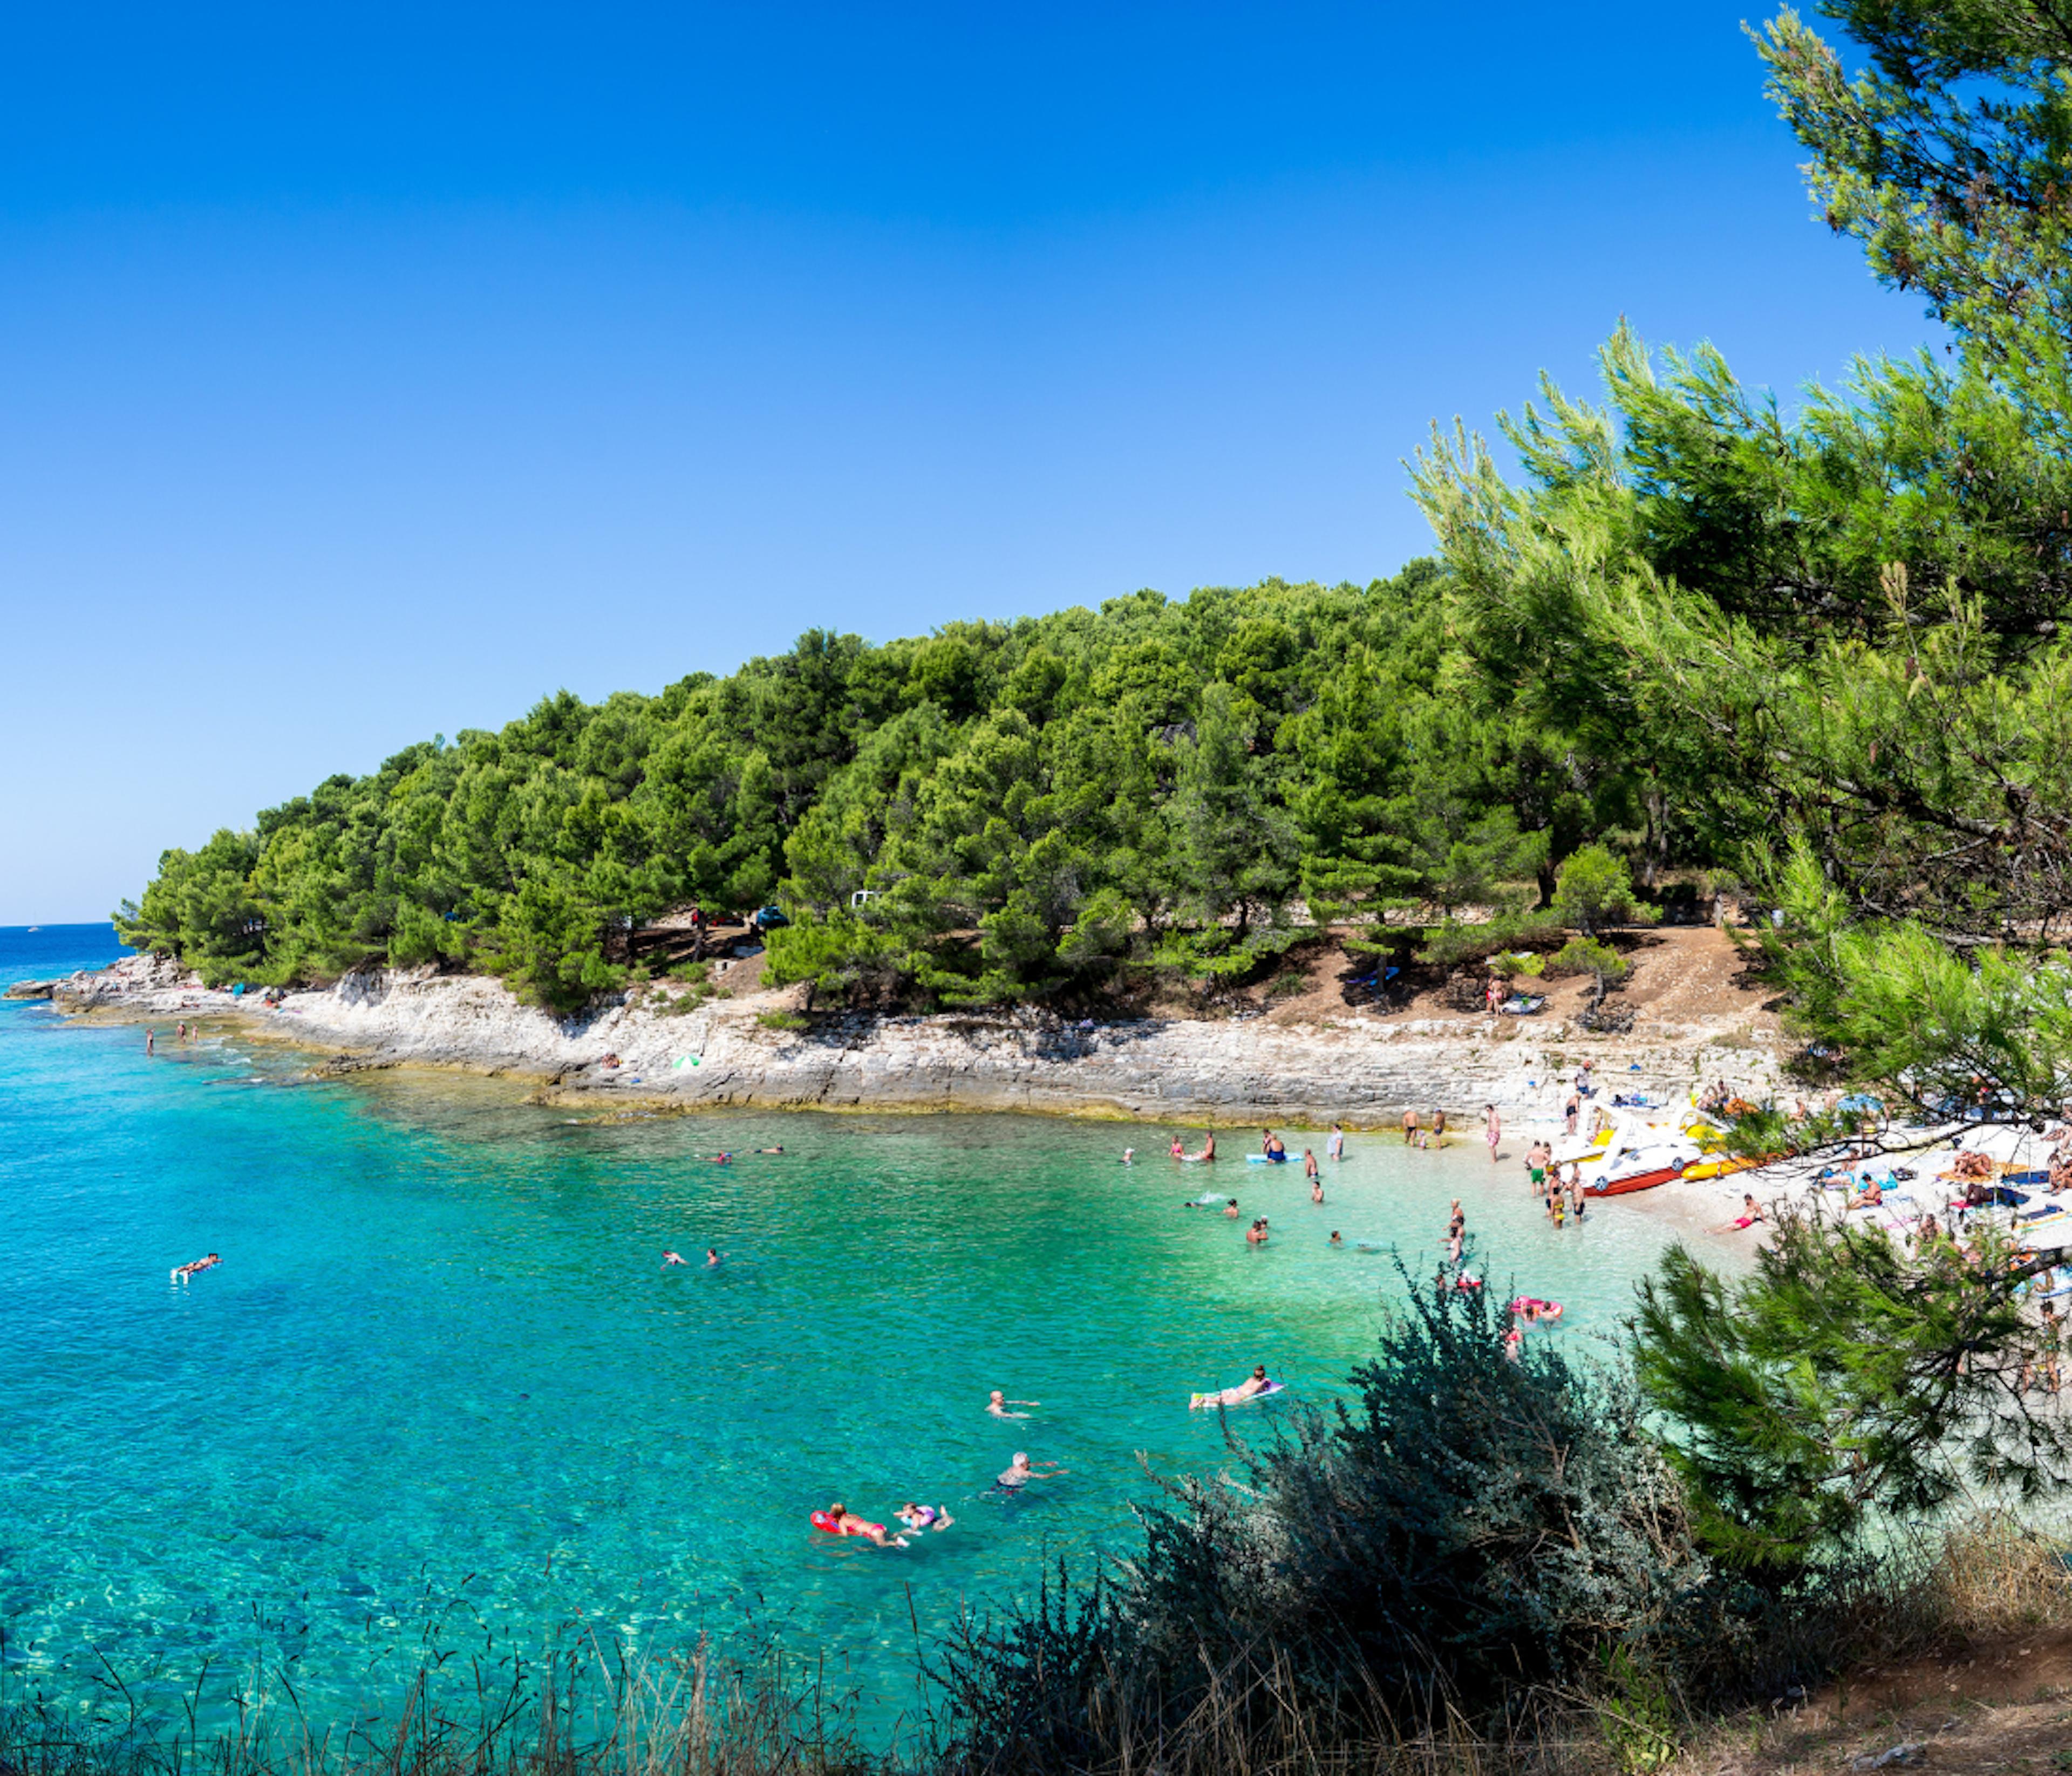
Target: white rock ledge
[(1356, 1070)]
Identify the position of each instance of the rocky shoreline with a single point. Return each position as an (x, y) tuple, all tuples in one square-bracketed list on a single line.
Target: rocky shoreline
[(649, 1049)]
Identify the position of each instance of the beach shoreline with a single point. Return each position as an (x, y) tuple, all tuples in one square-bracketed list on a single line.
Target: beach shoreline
[(644, 1051)]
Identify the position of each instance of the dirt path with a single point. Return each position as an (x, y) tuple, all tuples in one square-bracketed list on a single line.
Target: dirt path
[(2003, 1705)]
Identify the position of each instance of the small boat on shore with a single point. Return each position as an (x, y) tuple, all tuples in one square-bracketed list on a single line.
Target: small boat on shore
[(1642, 1169)]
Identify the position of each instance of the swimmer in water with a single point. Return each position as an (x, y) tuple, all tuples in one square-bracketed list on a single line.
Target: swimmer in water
[(776, 1150), (847, 1522), (1179, 1148), (999, 1403), (183, 1272), (669, 1258), (1309, 1165), (1335, 1240), (1317, 1191), (1230, 1210), (918, 1518), (1019, 1474), (722, 1159), (712, 1257), (1129, 1156)]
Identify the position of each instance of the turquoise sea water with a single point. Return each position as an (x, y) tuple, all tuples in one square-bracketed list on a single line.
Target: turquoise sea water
[(441, 1375)]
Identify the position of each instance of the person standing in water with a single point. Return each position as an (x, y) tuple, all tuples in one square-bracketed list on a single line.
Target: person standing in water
[(1492, 1129), (150, 1042), (1410, 1128), (1336, 1145), (1019, 1474)]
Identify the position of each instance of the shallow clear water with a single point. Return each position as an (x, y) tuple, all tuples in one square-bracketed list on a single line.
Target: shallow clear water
[(442, 1361)]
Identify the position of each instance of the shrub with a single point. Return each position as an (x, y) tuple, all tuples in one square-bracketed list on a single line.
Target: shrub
[(1447, 944), (1288, 985), (1587, 955), (782, 1020), (1515, 963), (1595, 890)]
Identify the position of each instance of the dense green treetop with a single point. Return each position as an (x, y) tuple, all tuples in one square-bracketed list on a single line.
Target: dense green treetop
[(1026, 804)]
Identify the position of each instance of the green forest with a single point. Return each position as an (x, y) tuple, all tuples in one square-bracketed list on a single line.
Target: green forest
[(1030, 805), (1818, 646)]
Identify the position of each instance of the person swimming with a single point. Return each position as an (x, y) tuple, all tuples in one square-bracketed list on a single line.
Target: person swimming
[(712, 1258), (669, 1258), (1129, 1156), (1335, 1240), (1019, 1474), (778, 1149), (194, 1269), (918, 1518), (997, 1405), (1230, 1210), (847, 1522)]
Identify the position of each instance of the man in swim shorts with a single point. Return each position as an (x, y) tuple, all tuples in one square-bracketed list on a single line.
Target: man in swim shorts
[(999, 1403), (712, 1258), (1230, 1210), (1749, 1215), (1410, 1128)]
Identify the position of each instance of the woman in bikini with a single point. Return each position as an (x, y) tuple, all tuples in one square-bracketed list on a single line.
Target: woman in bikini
[(847, 1522)]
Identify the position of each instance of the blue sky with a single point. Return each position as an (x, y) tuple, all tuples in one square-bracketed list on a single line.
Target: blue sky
[(371, 375)]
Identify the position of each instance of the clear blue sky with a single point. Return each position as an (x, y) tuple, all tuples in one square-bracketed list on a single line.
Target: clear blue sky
[(369, 375)]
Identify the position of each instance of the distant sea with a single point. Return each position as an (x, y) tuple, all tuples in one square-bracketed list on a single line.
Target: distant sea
[(30, 951), (442, 1392)]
